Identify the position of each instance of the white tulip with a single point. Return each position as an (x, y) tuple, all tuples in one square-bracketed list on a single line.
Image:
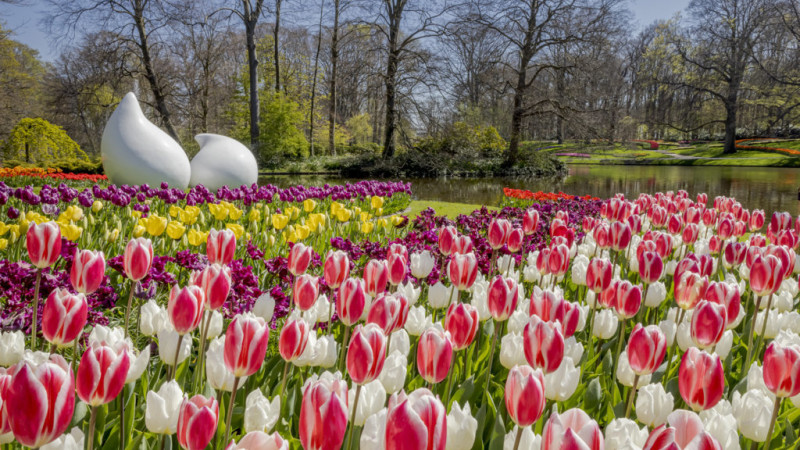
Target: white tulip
[(320, 310), (6, 438), (219, 377), (591, 298), (744, 272), (531, 274), (669, 267), (104, 335), (772, 324), (393, 375), (669, 329), (783, 301), (410, 292), (573, 348), (326, 351), (36, 358), (152, 318), (373, 435), (786, 338), (625, 374), (561, 384), (579, 269), (653, 404), (12, 347), (214, 325), (684, 335), (163, 407), (74, 440), (260, 414), (722, 426), (529, 441), (789, 321), (512, 352), (656, 293), (400, 342), (439, 295), (753, 412), (624, 434), (506, 263), (605, 324), (264, 307), (481, 303), (461, 428), (139, 363), (371, 400), (309, 355), (168, 344), (755, 380), (417, 322), (421, 264), (519, 318)]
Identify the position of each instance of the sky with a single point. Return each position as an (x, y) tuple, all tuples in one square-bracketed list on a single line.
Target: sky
[(25, 20)]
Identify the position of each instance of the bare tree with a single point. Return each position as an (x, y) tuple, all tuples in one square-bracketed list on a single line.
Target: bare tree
[(276, 44), (314, 81)]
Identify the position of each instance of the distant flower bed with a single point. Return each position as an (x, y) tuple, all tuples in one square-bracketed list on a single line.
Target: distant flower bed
[(653, 144), (788, 151), (575, 155), (57, 174), (522, 197)]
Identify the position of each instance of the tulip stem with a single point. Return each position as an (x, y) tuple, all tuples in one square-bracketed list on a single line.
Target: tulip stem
[(122, 418), (35, 307), (746, 365), (763, 326), (174, 371), (518, 438), (201, 362), (631, 394), (491, 355), (353, 418), (285, 375), (230, 411), (672, 348), (128, 309), (163, 441), (344, 346), (90, 432), (447, 388), (619, 348), (772, 421)]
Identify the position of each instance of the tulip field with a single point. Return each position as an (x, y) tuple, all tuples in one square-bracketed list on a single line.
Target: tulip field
[(323, 318)]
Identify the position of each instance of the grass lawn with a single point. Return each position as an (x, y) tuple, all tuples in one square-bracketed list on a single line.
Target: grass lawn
[(450, 210)]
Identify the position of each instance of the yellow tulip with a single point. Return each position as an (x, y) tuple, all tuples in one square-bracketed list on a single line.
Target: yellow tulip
[(24, 223), (219, 211), (3, 229), (335, 207), (156, 225), (97, 205), (356, 210), (367, 227), (197, 237), (71, 231), (187, 218), (175, 230), (279, 221), (365, 216), (254, 215), (3, 244), (383, 223), (397, 220), (14, 232), (271, 240), (309, 205), (290, 236), (379, 212), (192, 210), (77, 212), (112, 237), (376, 202), (138, 231), (302, 232), (234, 213), (237, 229), (343, 215), (293, 212), (174, 211), (266, 210)]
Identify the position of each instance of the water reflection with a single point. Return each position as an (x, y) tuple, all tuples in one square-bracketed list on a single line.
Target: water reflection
[(772, 189)]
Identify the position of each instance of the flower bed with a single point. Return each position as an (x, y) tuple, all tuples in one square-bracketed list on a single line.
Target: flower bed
[(786, 151), (522, 197), (21, 174), (660, 322)]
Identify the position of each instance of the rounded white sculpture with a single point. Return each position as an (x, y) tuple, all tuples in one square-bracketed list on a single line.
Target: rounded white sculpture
[(135, 151), (222, 161)]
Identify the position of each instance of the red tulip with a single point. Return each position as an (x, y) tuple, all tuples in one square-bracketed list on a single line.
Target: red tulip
[(336, 269), (530, 221), (787, 238), (725, 228), (417, 421), (690, 233), (397, 268), (461, 321), (685, 432), (88, 270), (715, 245), (558, 261), (780, 221), (323, 414), (220, 246), (137, 258), (553, 308), (739, 228), (39, 401), (628, 299), (757, 240), (197, 422), (5, 383), (215, 282), (588, 223), (620, 234), (447, 237), (675, 224), (102, 373), (646, 349), (706, 264), (702, 198), (366, 353), (299, 258), (766, 275), (573, 429), (351, 302), (389, 312), (689, 289), (515, 238), (782, 369), (543, 344), (558, 228), (305, 291), (598, 274), (434, 355), (651, 267), (44, 243), (728, 296), (658, 216), (734, 254), (397, 249), (664, 245), (524, 395), (64, 316), (701, 379), (543, 261), (186, 307), (293, 339), (463, 270), (245, 345), (601, 234), (710, 217), (785, 254), (463, 245), (635, 222), (376, 276), (708, 323), (692, 215), (497, 235), (502, 297)]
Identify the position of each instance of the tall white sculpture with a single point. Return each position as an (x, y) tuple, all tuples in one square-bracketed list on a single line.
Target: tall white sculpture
[(222, 161), (135, 151)]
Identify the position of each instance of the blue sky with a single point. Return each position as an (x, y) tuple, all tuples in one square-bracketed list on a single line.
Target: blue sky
[(25, 20)]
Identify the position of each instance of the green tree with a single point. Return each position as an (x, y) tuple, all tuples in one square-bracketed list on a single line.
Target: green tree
[(281, 120), (37, 141)]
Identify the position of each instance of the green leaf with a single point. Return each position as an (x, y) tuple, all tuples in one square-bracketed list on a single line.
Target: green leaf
[(593, 396)]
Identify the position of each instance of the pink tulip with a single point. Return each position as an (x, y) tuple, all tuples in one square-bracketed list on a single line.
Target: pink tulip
[(602, 236), (463, 270), (389, 312), (620, 234), (689, 289), (246, 342), (787, 238), (434, 355), (220, 246), (690, 234), (258, 440), (299, 258), (734, 254), (197, 422), (376, 276), (336, 269), (708, 323), (560, 229), (88, 270), (461, 321), (709, 217), (530, 221), (305, 291), (43, 242), (782, 369), (543, 344), (397, 249), (463, 245), (39, 401), (766, 275), (323, 414), (646, 349), (497, 235), (675, 224), (628, 299), (702, 198), (102, 373), (553, 308), (725, 228), (5, 383), (598, 274), (366, 353), (502, 296), (137, 258), (186, 307), (352, 301), (397, 268), (543, 261), (701, 379), (293, 339), (417, 421), (651, 267), (728, 296), (447, 237), (785, 255), (756, 221), (562, 215), (780, 221), (685, 431), (558, 261), (515, 240), (64, 316), (524, 395), (215, 282), (692, 215), (572, 429)]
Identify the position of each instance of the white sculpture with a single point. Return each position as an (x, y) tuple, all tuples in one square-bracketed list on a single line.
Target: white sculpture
[(135, 151), (222, 161)]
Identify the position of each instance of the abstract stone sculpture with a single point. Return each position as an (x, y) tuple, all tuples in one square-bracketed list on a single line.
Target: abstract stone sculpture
[(135, 151), (222, 161)]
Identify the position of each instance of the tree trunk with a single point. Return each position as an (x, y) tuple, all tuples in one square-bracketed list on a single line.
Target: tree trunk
[(334, 59), (276, 38), (730, 126), (252, 66), (314, 83), (391, 82)]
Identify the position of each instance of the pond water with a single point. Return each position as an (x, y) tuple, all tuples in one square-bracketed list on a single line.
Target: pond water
[(767, 188)]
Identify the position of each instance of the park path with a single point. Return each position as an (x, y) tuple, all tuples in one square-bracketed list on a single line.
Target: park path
[(710, 158)]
